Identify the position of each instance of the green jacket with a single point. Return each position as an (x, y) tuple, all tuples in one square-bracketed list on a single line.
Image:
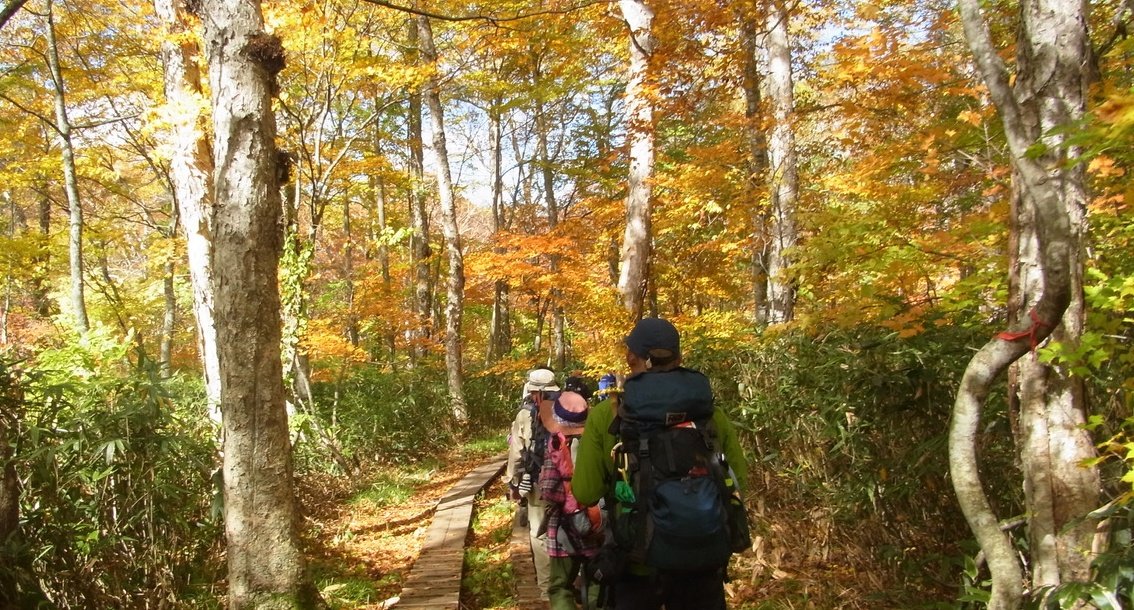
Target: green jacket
[(594, 466)]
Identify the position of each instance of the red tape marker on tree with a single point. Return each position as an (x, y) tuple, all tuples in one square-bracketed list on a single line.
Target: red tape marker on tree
[(1032, 332)]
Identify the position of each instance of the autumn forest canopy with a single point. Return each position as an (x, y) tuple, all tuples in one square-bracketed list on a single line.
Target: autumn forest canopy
[(323, 238)]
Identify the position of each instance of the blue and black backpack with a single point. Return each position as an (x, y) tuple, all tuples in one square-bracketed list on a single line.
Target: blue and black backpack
[(678, 505)]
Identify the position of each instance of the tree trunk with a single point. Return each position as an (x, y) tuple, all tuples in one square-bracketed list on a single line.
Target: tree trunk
[(1049, 80), (168, 321), (40, 292), (500, 336), (537, 342), (10, 9), (455, 284), (351, 330), (265, 566), (558, 324), (12, 403), (757, 168), (1059, 493), (70, 178), (635, 260), (19, 587), (378, 187), (783, 175), (419, 216), (191, 168), (6, 306)]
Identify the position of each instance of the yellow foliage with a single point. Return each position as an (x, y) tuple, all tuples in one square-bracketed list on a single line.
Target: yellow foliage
[(970, 117), (1105, 167)]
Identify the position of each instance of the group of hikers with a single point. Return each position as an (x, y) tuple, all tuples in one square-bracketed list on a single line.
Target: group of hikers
[(631, 493)]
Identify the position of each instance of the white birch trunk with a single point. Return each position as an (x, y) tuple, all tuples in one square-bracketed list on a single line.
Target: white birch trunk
[(455, 283), (191, 167), (635, 260), (1049, 90), (70, 178), (783, 174), (1051, 86), (419, 216)]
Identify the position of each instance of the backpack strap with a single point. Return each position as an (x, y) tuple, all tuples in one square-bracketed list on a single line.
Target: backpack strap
[(729, 491), (537, 450)]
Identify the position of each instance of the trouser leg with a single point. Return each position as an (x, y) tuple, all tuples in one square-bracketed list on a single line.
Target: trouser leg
[(561, 583), (676, 590), (536, 509), (694, 590), (637, 593), (590, 588)]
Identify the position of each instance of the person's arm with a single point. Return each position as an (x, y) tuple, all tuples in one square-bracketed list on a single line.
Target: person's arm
[(730, 445), (593, 466), (520, 438)]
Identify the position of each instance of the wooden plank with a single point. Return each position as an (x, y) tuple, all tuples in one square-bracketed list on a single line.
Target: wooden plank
[(434, 582), (528, 595)]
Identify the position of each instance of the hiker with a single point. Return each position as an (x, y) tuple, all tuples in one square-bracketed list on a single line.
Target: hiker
[(526, 449), (579, 385), (646, 565), (607, 384), (573, 532)]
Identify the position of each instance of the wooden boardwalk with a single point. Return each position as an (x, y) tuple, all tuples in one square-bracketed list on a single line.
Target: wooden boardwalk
[(434, 582), (523, 570)]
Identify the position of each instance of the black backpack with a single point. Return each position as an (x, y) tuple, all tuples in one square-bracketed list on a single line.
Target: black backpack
[(679, 508), (531, 457)]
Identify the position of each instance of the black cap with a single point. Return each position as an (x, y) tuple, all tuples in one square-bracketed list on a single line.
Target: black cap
[(579, 386), (654, 334)]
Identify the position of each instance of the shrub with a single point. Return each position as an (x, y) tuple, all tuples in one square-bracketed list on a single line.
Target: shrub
[(116, 508)]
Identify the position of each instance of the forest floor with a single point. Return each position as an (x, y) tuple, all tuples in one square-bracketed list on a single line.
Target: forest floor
[(366, 532)]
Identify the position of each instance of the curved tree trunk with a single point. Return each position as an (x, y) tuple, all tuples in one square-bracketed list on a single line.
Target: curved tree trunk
[(1049, 93), (635, 260), (455, 284), (265, 566)]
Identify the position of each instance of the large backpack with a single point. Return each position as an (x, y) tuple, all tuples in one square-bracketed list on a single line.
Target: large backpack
[(531, 457), (679, 508), (583, 525)]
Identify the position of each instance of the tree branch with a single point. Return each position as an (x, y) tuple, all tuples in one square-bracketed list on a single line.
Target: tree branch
[(13, 7), (994, 74), (494, 20), (1119, 21), (43, 118)]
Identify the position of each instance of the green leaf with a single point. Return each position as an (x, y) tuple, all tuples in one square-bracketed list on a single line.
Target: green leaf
[(1105, 600)]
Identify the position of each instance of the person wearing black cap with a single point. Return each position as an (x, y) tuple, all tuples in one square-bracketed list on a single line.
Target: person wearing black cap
[(577, 384), (653, 355)]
